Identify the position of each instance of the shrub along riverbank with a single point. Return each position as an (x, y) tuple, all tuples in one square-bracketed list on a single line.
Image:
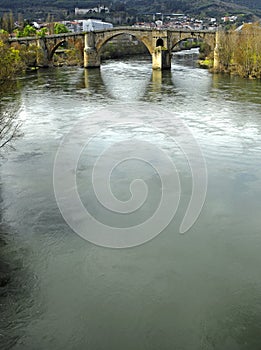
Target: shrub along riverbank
[(240, 51), (10, 61), (15, 59)]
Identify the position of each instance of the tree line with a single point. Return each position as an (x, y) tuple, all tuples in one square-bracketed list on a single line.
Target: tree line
[(23, 28)]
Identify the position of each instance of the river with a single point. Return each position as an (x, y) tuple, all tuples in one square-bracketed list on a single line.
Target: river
[(197, 290)]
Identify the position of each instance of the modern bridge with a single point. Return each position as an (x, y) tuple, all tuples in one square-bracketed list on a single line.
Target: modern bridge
[(159, 42)]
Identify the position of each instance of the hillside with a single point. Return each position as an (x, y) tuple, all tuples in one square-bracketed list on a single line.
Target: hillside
[(62, 9), (200, 7)]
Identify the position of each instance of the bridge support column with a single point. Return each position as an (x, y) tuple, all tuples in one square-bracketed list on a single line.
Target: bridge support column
[(216, 64), (91, 56), (42, 54), (161, 59)]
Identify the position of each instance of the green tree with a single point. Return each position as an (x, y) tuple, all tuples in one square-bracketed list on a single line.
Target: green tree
[(3, 33), (42, 32), (29, 54), (60, 28), (27, 31), (10, 62)]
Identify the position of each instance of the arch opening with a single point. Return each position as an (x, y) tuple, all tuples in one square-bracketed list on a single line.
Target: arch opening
[(67, 52), (187, 44), (122, 45), (159, 42), (62, 43), (205, 50)]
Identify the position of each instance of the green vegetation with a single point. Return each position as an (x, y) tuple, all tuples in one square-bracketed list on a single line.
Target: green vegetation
[(26, 31), (60, 28), (68, 57), (240, 52), (10, 62), (206, 63), (41, 33), (15, 59)]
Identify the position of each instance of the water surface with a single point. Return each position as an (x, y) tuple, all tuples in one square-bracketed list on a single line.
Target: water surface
[(200, 290)]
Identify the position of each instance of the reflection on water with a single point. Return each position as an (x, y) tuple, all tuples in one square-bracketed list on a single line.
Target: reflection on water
[(195, 291)]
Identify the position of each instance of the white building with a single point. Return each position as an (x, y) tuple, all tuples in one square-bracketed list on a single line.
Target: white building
[(98, 9), (87, 25), (90, 25)]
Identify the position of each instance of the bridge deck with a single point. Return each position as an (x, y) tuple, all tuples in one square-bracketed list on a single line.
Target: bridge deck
[(111, 30)]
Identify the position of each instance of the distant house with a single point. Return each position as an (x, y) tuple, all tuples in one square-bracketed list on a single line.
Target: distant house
[(98, 9), (229, 18)]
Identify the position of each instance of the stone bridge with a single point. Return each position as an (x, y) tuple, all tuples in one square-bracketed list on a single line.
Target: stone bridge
[(159, 43)]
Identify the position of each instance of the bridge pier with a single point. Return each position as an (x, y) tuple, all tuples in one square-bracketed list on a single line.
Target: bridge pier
[(42, 59), (216, 64), (91, 58), (161, 59)]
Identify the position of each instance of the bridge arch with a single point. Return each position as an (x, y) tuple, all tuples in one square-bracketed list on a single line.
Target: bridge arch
[(54, 48), (102, 41), (185, 39), (207, 39)]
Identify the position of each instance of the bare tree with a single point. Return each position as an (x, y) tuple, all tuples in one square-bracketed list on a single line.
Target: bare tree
[(9, 125)]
